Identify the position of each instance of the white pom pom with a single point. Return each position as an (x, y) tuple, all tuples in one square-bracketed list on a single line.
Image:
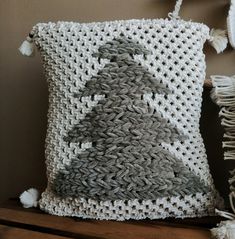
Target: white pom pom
[(27, 47), (218, 40), (29, 198), (224, 230)]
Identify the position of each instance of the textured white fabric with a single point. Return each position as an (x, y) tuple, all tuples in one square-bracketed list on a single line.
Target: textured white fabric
[(177, 59)]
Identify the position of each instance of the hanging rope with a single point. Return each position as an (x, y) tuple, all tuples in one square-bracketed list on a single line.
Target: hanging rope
[(175, 13)]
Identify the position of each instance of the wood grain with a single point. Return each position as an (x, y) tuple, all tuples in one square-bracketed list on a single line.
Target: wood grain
[(92, 229), (7, 232)]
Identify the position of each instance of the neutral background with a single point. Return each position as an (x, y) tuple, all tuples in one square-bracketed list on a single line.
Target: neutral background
[(23, 89)]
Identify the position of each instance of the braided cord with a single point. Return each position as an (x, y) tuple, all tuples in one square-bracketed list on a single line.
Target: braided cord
[(175, 13)]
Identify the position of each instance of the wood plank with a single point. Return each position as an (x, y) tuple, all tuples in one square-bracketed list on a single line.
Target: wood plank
[(99, 229), (206, 222), (7, 232)]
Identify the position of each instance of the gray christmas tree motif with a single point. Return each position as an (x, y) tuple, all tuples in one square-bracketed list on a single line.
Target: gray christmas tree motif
[(126, 160)]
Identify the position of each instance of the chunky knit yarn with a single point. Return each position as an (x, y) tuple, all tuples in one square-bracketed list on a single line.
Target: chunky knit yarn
[(123, 136), (126, 160)]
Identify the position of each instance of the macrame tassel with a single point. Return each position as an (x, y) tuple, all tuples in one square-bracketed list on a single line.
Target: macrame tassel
[(224, 90), (218, 40), (27, 47), (29, 198)]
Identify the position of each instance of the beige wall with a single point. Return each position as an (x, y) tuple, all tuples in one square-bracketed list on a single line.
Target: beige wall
[(23, 89)]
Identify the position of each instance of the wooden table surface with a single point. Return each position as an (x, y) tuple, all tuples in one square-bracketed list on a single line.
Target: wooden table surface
[(19, 223)]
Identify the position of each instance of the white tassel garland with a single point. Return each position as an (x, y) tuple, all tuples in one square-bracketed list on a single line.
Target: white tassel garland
[(27, 47), (224, 95), (29, 198), (218, 40)]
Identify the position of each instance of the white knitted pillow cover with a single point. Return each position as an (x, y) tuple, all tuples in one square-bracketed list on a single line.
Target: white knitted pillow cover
[(123, 138)]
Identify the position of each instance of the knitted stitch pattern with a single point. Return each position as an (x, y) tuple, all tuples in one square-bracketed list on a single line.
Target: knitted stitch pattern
[(123, 136)]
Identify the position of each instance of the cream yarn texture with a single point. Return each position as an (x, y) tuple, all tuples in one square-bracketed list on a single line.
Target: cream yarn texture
[(176, 61)]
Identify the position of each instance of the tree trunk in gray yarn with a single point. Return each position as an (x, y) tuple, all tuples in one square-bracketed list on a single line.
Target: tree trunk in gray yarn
[(126, 160)]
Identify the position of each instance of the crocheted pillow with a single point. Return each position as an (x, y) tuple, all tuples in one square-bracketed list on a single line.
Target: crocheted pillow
[(123, 136)]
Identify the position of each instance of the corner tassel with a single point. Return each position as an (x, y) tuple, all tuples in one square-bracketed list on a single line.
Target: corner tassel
[(29, 198), (218, 40), (27, 47), (224, 230)]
